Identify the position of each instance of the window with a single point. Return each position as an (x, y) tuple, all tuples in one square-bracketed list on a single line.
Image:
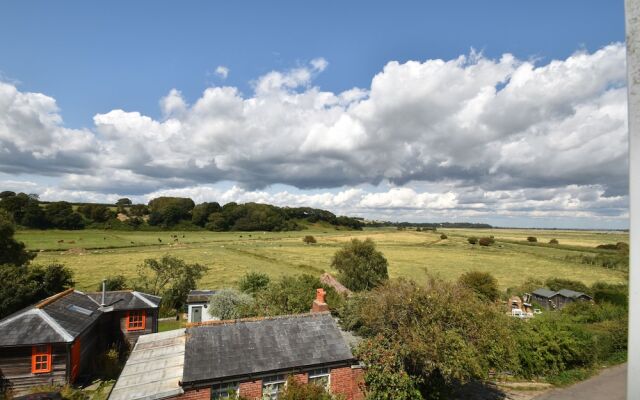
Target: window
[(272, 386), (136, 320), (227, 390), (41, 359), (320, 377)]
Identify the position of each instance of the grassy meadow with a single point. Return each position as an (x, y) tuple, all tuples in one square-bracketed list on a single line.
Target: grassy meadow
[(95, 254)]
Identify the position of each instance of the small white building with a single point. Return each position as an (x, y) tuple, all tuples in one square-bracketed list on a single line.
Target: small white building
[(198, 304)]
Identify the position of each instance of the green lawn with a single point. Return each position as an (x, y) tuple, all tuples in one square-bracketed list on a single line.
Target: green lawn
[(96, 254)]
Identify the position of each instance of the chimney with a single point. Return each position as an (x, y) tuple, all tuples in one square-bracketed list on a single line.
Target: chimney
[(319, 304), (104, 289)]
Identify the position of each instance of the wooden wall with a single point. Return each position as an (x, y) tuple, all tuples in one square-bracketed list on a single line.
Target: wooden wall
[(15, 364), (151, 326)]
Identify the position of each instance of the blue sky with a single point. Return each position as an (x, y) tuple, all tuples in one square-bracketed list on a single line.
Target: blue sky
[(94, 58)]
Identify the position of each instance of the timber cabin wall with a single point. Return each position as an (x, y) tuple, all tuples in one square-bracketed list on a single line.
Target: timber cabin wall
[(90, 349), (151, 325), (15, 364)]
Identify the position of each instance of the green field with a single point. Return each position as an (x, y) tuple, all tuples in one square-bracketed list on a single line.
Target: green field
[(95, 254)]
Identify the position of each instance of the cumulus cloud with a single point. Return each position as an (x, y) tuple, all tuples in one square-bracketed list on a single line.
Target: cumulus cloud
[(504, 127)]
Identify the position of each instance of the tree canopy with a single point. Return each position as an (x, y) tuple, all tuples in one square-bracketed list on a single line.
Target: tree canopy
[(360, 265)]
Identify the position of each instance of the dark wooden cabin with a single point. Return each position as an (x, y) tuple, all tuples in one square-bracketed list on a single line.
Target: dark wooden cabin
[(59, 339)]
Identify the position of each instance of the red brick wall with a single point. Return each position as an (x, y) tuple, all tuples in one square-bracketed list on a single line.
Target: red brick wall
[(251, 389), (301, 378), (195, 394), (346, 381)]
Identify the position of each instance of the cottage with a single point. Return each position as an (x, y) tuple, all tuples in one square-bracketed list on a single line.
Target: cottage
[(250, 357), (58, 340), (198, 304), (556, 300)]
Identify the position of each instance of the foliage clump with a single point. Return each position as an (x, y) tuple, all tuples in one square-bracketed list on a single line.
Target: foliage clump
[(553, 241), (532, 239), (472, 240), (486, 241), (360, 265), (309, 239), (483, 284), (443, 236), (230, 304), (254, 282)]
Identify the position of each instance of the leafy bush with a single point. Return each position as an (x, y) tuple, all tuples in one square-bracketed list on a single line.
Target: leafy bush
[(230, 304), (440, 333), (308, 239), (556, 284), (486, 241), (472, 240), (443, 236), (115, 282), (294, 295), (553, 241), (483, 284), (254, 282), (295, 390), (360, 265), (532, 239)]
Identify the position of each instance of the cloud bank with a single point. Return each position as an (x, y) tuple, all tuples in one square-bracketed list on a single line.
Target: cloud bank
[(483, 135)]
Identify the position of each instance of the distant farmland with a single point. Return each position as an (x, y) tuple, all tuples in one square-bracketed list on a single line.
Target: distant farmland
[(95, 254)]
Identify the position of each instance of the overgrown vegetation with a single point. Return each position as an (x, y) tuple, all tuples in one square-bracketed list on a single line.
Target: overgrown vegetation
[(360, 265)]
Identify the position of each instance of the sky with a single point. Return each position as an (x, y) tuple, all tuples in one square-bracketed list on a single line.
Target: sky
[(502, 112)]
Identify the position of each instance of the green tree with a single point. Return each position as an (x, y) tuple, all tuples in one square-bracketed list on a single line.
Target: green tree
[(360, 265), (169, 277), (123, 202), (472, 240), (254, 282), (11, 251), (483, 284), (201, 212), (441, 332), (532, 239), (60, 214), (230, 304)]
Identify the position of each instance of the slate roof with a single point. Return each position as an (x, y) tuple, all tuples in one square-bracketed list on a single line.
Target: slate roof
[(231, 349), (572, 293), (153, 369), (544, 292), (64, 316), (199, 296), (118, 300)]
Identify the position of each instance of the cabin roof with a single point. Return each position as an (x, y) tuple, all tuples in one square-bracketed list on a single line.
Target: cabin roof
[(64, 316), (118, 300), (153, 369), (544, 292), (217, 350), (200, 296), (572, 293)]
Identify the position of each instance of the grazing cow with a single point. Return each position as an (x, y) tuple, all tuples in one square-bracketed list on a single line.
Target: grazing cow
[(159, 240), (61, 241)]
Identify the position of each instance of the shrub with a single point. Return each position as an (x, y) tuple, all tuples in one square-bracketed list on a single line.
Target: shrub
[(116, 282), (485, 241), (553, 241), (556, 284), (482, 283), (532, 239), (230, 304), (443, 236), (295, 390), (309, 239), (472, 240), (361, 266), (254, 282)]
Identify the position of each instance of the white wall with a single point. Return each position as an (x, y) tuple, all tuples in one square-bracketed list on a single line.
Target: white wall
[(205, 312)]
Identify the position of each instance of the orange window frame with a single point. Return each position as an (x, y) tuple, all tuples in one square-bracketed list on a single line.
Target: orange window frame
[(41, 359), (136, 320)]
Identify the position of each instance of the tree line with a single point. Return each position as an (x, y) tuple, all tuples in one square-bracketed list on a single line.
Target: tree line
[(165, 213)]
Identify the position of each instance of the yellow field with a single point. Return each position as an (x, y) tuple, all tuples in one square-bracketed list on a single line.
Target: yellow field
[(96, 254)]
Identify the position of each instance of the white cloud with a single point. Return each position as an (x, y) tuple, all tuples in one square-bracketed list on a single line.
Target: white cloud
[(507, 127), (222, 71)]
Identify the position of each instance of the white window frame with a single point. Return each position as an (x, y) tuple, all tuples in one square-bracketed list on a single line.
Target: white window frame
[(227, 390), (268, 382), (319, 373)]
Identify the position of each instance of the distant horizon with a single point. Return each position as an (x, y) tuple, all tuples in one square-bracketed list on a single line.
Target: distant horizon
[(510, 115)]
